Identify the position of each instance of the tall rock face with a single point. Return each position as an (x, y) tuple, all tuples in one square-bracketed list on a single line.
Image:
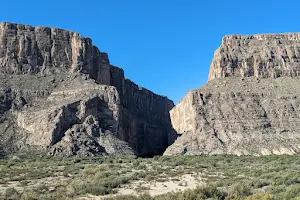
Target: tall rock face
[(263, 56), (31, 50), (60, 94), (251, 104)]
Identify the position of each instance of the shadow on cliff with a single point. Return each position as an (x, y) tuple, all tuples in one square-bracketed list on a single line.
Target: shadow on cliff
[(159, 142), (2, 154)]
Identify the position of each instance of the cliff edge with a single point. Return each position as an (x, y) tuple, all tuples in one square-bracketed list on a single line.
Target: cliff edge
[(262, 55)]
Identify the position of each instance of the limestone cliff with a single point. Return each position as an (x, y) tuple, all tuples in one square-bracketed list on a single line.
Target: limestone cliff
[(251, 103), (270, 55), (59, 93)]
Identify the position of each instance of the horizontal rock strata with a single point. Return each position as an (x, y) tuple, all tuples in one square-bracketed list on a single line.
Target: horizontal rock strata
[(250, 106), (60, 93), (270, 55)]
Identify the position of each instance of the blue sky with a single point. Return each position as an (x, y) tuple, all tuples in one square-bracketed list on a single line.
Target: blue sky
[(163, 45)]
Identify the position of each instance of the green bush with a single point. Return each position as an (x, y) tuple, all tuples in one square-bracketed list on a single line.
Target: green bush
[(239, 191), (292, 192), (260, 196), (11, 193)]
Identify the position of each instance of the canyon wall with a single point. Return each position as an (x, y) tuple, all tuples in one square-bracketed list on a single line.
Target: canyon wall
[(263, 56), (250, 106), (38, 63)]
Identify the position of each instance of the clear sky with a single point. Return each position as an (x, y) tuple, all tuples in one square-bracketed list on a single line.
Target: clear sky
[(163, 45)]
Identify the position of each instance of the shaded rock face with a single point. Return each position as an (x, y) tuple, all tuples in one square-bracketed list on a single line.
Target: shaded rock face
[(264, 56), (60, 94), (250, 106)]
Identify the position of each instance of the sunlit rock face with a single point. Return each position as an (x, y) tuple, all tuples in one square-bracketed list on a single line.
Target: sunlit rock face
[(250, 106), (61, 95), (263, 56)]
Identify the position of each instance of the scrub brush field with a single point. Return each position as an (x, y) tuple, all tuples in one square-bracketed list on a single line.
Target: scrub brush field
[(161, 177)]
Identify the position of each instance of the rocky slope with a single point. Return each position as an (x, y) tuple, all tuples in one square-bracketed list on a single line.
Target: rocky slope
[(251, 103), (60, 94)]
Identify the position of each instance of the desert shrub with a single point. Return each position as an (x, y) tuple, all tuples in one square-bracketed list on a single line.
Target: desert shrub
[(149, 177), (142, 189), (257, 183), (260, 196), (31, 195), (114, 182), (72, 169), (292, 192), (136, 163), (209, 192), (156, 158), (286, 178), (277, 189), (200, 193), (24, 183), (128, 197), (96, 190), (139, 175), (96, 185), (11, 193), (239, 191)]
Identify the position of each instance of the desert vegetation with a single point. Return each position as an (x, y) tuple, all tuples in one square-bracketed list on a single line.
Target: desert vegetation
[(161, 177)]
